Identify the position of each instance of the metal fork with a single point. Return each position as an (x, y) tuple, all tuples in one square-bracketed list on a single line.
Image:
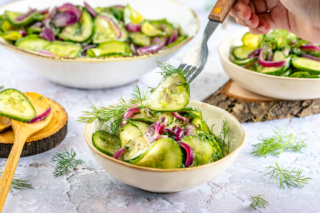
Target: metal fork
[(196, 58)]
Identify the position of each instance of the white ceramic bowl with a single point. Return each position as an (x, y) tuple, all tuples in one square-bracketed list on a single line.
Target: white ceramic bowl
[(91, 73), (174, 180), (267, 85)]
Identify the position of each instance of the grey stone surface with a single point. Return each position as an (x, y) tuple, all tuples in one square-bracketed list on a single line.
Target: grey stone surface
[(90, 189)]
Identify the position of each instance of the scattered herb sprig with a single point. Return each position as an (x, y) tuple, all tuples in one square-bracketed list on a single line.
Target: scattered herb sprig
[(19, 184), (168, 69), (65, 160), (279, 142), (225, 146), (284, 177), (258, 202)]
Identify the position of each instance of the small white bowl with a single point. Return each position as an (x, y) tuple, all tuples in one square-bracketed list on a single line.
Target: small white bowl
[(95, 73), (174, 180), (268, 85)]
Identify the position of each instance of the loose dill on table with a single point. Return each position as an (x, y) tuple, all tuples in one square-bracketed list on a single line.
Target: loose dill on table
[(258, 202), (65, 160), (284, 177), (19, 184), (1, 88), (279, 142)]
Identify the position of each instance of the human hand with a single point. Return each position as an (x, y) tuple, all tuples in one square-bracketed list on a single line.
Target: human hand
[(301, 17)]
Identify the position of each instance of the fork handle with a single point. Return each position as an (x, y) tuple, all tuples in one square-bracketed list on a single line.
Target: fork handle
[(221, 10)]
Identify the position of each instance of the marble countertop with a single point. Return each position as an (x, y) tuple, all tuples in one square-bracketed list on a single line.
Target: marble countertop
[(90, 189)]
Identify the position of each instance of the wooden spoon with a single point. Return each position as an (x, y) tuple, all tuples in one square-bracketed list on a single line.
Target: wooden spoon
[(4, 123), (22, 132)]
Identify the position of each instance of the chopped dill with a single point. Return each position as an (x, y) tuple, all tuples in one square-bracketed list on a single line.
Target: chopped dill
[(112, 115), (258, 202), (279, 142), (19, 184), (284, 177), (168, 69), (65, 160)]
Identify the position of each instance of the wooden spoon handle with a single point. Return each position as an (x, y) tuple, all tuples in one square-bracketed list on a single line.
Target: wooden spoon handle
[(221, 10), (10, 167)]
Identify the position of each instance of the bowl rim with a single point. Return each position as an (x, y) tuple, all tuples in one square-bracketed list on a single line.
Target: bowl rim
[(238, 68), (107, 59), (106, 157)]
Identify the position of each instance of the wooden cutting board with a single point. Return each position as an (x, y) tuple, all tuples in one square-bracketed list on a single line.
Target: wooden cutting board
[(247, 106), (46, 139)]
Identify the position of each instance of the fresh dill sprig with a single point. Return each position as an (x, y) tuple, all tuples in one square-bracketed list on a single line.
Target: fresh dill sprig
[(19, 184), (279, 142), (65, 160), (284, 177), (225, 146), (168, 69), (113, 115), (258, 202)]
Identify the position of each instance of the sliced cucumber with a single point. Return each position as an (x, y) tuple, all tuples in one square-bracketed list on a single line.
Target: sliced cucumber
[(104, 30), (287, 73), (142, 116), (168, 116), (124, 34), (164, 26), (300, 74), (11, 35), (306, 64), (110, 48), (244, 62), (200, 124), (15, 105), (32, 43), (195, 114), (251, 41), (79, 32), (106, 142), (277, 56), (242, 52), (178, 41), (132, 137), (34, 30), (204, 149), (165, 153), (65, 49), (132, 16), (172, 94), (5, 26), (140, 39), (12, 18), (149, 30)]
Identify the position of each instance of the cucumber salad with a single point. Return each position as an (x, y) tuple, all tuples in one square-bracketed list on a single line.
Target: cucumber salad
[(156, 128), (83, 31), (15, 105), (278, 53)]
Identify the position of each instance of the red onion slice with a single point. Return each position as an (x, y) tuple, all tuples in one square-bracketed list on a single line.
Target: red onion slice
[(177, 116), (38, 24), (65, 18), (114, 25), (310, 47), (151, 49), (25, 15), (190, 154), (128, 114), (118, 153), (174, 36), (43, 12), (153, 132), (147, 112), (178, 132), (41, 117), (23, 33), (48, 18), (168, 130), (86, 48), (265, 63), (133, 48), (133, 28), (254, 54), (47, 34), (70, 7), (310, 57), (92, 12), (45, 52), (191, 130)]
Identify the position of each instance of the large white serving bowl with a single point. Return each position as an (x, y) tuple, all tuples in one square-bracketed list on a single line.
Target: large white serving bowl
[(94, 73), (174, 180), (268, 85)]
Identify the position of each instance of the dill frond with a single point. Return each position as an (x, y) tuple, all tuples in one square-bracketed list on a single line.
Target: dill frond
[(65, 160), (258, 202), (225, 146), (168, 69), (284, 177), (279, 142), (19, 184)]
